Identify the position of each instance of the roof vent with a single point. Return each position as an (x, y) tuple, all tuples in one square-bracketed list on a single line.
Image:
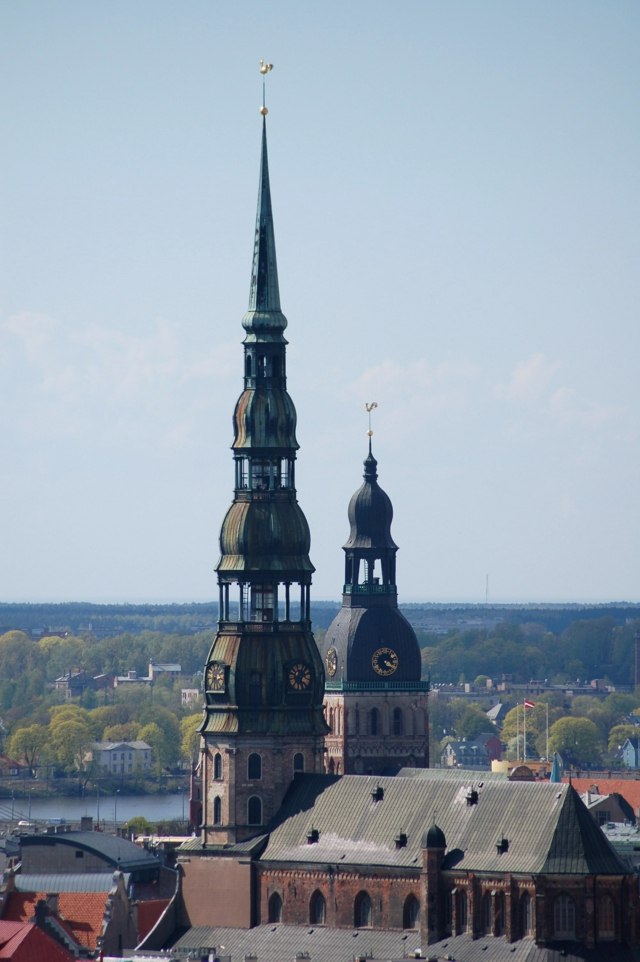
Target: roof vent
[(401, 840), (502, 845), (377, 794), (313, 836), (472, 797)]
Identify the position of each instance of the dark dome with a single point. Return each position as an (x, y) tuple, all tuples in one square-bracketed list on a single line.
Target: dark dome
[(434, 838), (358, 633), (265, 536), (370, 512)]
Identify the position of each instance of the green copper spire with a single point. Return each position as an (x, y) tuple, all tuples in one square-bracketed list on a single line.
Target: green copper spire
[(264, 315)]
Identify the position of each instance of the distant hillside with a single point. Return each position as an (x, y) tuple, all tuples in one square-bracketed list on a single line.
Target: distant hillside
[(431, 618)]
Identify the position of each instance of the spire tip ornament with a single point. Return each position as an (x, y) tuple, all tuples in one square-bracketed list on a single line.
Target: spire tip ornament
[(265, 68), (370, 406)]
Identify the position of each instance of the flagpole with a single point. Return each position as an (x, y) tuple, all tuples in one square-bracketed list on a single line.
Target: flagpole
[(547, 731), (524, 728), (517, 731)]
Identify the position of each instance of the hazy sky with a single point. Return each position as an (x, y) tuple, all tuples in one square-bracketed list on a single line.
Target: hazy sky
[(455, 190)]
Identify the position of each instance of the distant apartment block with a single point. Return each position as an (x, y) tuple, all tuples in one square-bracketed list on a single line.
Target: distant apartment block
[(155, 670), (121, 758)]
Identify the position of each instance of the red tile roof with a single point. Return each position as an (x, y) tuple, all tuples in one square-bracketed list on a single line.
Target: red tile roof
[(629, 788), (80, 913), (24, 942)]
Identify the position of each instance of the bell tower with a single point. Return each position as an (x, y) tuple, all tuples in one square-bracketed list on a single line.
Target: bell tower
[(264, 679), (375, 700)]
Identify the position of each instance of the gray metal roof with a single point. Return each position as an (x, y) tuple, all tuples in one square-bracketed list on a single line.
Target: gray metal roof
[(73, 882), (275, 943), (547, 827), (119, 852)]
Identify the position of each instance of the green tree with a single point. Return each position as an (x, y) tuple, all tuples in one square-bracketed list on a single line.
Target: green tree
[(618, 736), (70, 742), (29, 744), (127, 732), (190, 740), (577, 740)]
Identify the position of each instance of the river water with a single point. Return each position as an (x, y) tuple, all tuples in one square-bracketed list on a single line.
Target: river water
[(105, 808)]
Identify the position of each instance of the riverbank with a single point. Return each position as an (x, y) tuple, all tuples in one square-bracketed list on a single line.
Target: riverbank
[(19, 787)]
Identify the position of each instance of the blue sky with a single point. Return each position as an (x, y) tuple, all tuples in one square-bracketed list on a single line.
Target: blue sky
[(455, 190)]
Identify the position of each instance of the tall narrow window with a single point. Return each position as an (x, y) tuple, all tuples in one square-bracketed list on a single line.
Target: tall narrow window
[(462, 920), (254, 766), (275, 908), (564, 917), (606, 918), (526, 920), (487, 913), (362, 911), (298, 762), (254, 810), (398, 726), (374, 721), (411, 913), (217, 810), (317, 909), (499, 914)]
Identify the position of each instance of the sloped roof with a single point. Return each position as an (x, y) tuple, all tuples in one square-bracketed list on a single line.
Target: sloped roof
[(117, 852), (72, 882), (24, 942), (547, 826), (273, 943), (81, 914), (629, 788)]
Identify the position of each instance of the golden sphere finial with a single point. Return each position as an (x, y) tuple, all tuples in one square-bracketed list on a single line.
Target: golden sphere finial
[(264, 111)]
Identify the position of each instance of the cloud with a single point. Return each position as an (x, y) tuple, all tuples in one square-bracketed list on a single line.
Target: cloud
[(432, 388), (529, 379), (62, 380), (567, 406)]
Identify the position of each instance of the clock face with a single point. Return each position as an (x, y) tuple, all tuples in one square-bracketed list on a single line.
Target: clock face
[(299, 677), (214, 677), (331, 661), (384, 661)]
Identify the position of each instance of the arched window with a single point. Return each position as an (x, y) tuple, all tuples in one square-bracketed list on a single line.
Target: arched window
[(317, 909), (498, 928), (564, 917), (254, 766), (398, 726), (217, 765), (606, 918), (275, 908), (487, 914), (254, 810), (411, 913), (298, 762), (374, 721), (356, 721), (332, 766), (462, 919), (217, 810), (247, 366), (526, 915), (362, 911)]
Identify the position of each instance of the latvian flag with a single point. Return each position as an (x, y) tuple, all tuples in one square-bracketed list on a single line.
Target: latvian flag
[(529, 704)]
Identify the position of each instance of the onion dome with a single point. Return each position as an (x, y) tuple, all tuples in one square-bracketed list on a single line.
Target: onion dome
[(370, 512), (434, 838)]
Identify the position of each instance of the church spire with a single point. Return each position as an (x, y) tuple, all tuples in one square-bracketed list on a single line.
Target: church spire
[(263, 680), (264, 294)]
